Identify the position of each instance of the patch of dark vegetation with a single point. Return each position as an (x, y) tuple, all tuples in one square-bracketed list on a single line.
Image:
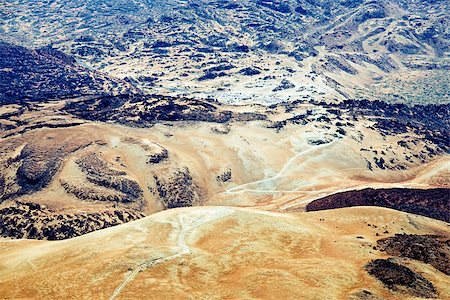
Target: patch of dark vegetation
[(432, 203), (34, 221), (430, 249), (401, 279)]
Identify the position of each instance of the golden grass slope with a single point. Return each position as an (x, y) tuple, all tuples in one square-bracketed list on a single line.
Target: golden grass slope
[(217, 253)]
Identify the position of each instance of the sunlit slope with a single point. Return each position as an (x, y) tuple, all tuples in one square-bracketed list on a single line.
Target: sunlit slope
[(218, 252)]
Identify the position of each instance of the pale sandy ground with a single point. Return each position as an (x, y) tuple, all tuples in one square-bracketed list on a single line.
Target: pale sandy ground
[(216, 253), (181, 75)]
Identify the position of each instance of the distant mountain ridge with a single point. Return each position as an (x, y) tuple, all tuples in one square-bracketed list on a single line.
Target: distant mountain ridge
[(184, 47)]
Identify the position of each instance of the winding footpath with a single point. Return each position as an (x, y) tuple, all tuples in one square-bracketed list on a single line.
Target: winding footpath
[(241, 188), (184, 223)]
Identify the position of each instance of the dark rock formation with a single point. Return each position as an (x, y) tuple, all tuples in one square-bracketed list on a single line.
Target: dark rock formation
[(433, 203), (179, 190), (35, 166), (34, 221), (364, 295), (100, 173), (430, 249), (158, 157), (151, 109), (36, 171), (31, 75), (337, 64), (284, 85), (2, 185), (250, 71), (94, 194), (225, 176), (401, 279), (429, 121)]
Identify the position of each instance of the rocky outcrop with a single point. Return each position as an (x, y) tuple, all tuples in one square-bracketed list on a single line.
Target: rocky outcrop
[(146, 110), (87, 193), (250, 71), (225, 176), (430, 249), (100, 173), (35, 221), (429, 121), (55, 74), (336, 64), (2, 185), (36, 166), (401, 279), (158, 157), (284, 85), (431, 203), (178, 190)]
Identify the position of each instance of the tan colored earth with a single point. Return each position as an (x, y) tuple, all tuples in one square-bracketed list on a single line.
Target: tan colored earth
[(242, 240), (217, 253), (271, 170)]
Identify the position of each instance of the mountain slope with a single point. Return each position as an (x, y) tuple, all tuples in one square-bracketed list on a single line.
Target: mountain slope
[(242, 253), (46, 73)]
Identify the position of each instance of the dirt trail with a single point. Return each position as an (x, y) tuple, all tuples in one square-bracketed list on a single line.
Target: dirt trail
[(239, 189), (184, 224)]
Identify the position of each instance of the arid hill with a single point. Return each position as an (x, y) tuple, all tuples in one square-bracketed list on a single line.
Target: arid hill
[(242, 253), (223, 149)]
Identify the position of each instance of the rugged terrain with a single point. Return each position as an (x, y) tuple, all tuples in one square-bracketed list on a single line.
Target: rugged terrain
[(224, 149), (46, 73), (251, 51), (34, 221), (77, 165)]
